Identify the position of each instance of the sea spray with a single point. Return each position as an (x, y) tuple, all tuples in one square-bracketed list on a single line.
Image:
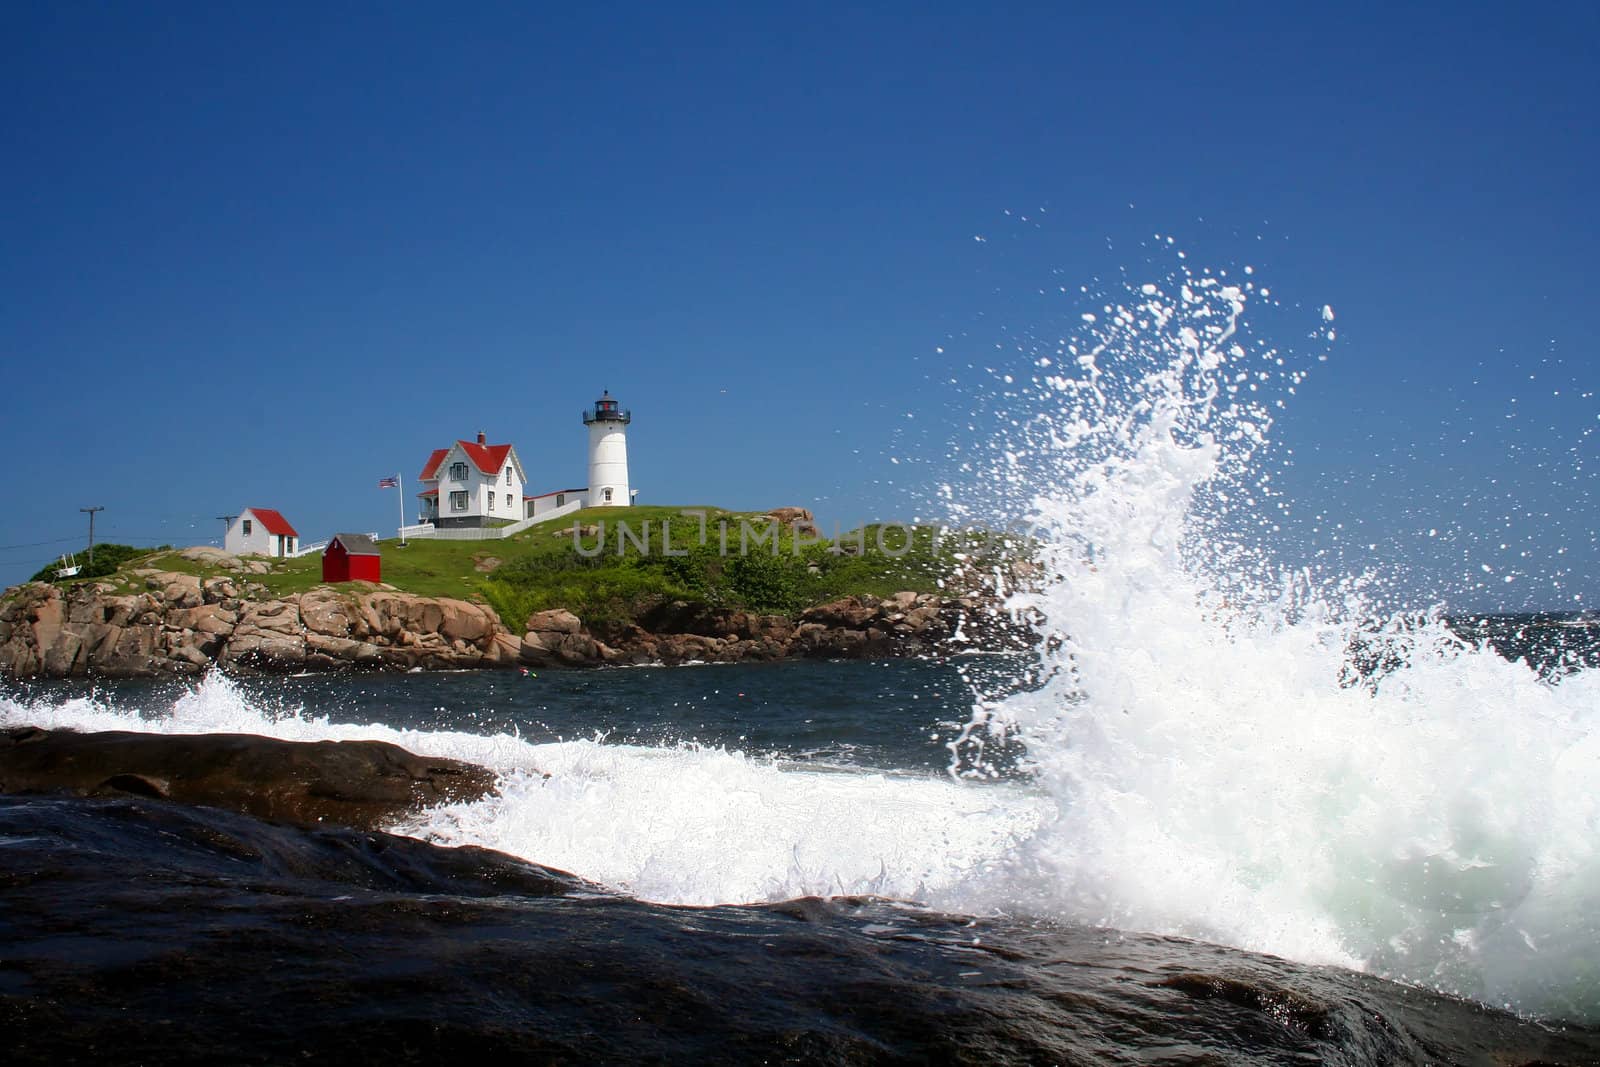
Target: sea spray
[(1220, 762)]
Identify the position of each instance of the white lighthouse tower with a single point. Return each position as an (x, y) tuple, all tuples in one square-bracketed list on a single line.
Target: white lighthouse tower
[(608, 453)]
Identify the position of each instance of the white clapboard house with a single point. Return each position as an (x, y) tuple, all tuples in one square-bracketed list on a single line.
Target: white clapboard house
[(472, 483), (261, 532)]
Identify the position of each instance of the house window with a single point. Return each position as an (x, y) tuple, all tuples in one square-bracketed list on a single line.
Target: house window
[(247, 527), (458, 472), (458, 501), (508, 475), (561, 498), (605, 494), (491, 501)]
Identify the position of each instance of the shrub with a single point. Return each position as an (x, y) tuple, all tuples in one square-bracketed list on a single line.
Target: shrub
[(107, 558)]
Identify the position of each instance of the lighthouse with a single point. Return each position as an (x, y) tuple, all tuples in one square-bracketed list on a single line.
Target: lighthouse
[(608, 453)]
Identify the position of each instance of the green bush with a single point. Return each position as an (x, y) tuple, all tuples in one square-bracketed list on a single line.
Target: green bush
[(764, 582), (108, 558)]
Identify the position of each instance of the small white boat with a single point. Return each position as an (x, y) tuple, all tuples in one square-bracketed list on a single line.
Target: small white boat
[(68, 570)]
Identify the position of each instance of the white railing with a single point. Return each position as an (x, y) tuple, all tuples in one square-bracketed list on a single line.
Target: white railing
[(427, 530), (306, 550), (451, 533)]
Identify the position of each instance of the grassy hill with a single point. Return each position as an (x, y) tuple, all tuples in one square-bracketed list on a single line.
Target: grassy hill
[(614, 580)]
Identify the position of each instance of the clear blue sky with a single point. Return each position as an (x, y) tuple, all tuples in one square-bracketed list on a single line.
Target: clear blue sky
[(263, 255)]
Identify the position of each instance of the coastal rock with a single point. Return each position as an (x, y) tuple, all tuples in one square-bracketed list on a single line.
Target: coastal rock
[(177, 590), (392, 614), (684, 648), (851, 612), (504, 650), (800, 518), (343, 650), (359, 784), (555, 648), (271, 616), (903, 601), (121, 610), (557, 620), (207, 618), (906, 623), (46, 618), (146, 931), (463, 621), (127, 652), (326, 611), (191, 656), (207, 556), (61, 657), (182, 625), (216, 590), (264, 650)]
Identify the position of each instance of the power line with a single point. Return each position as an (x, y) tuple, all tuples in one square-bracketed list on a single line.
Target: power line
[(163, 539), (36, 544)]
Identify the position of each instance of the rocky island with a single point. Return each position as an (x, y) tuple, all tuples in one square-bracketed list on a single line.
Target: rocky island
[(535, 603)]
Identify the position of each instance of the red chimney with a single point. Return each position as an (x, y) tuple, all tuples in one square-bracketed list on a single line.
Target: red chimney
[(481, 439)]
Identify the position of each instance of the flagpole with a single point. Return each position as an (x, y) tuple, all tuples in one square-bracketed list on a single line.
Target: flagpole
[(401, 532)]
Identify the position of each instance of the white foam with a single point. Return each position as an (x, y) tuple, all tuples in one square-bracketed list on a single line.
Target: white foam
[(682, 825)]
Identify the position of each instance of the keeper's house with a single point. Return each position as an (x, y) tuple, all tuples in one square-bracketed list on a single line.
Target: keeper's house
[(261, 532), (472, 483), (351, 558)]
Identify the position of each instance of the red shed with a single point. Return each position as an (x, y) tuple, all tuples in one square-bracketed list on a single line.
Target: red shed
[(351, 558)]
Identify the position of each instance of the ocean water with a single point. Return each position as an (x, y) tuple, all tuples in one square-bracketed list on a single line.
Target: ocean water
[(720, 784), (1210, 747)]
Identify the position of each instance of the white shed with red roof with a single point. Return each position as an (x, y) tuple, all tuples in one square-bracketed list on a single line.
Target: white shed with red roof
[(261, 532)]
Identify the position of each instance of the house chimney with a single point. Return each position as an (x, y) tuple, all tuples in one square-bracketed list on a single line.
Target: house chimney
[(482, 440)]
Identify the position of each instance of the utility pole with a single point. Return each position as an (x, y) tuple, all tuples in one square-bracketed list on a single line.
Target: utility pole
[(91, 512), (226, 521)]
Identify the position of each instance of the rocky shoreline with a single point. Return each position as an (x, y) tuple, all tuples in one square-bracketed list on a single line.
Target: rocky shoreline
[(185, 625)]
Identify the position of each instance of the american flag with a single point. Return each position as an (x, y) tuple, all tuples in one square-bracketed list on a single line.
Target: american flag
[(388, 483)]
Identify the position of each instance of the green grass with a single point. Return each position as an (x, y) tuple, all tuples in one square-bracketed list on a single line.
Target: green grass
[(661, 557)]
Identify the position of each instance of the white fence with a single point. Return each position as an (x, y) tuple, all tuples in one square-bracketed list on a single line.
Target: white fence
[(306, 550), (428, 530)]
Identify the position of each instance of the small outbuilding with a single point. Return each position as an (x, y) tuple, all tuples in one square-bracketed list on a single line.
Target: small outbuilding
[(261, 532), (351, 558)]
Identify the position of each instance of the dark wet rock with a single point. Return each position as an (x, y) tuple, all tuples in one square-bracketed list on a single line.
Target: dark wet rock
[(1281, 1005), (138, 931), (363, 784)]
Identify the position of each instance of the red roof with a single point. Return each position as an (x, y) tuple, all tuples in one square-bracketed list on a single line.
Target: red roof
[(274, 522), (487, 458), (429, 492), (430, 468)]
